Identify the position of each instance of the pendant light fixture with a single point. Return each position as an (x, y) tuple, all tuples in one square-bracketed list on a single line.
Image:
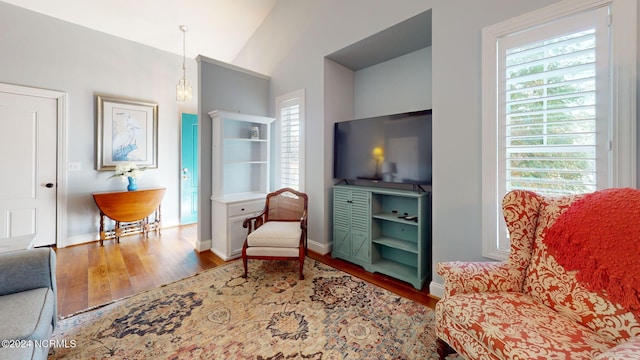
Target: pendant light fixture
[(184, 91)]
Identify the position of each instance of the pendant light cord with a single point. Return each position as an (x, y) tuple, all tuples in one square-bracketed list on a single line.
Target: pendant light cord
[(184, 90), (184, 29)]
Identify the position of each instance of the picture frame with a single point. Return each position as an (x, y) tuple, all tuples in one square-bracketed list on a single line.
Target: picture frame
[(126, 132)]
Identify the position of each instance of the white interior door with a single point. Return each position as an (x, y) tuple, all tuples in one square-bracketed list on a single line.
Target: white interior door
[(28, 183)]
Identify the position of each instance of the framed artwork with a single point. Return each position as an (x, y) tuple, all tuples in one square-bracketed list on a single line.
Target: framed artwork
[(126, 131)]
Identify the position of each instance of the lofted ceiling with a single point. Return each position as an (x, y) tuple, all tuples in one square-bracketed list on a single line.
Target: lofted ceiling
[(218, 29)]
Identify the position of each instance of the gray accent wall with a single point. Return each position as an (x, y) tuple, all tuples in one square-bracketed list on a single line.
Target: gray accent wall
[(230, 88)]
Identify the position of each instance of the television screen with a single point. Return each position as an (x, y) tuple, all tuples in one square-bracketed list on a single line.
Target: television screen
[(392, 148)]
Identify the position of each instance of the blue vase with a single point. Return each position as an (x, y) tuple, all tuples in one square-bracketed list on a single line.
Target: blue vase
[(132, 184)]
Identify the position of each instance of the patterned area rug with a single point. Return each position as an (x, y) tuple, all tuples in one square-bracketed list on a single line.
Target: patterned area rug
[(271, 315)]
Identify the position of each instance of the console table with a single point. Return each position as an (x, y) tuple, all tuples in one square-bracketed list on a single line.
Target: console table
[(131, 211)]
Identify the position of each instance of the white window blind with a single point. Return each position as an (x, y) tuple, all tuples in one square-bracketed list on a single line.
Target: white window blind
[(290, 141), (556, 105), (551, 125)]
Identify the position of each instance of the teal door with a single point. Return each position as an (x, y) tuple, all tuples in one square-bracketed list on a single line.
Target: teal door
[(189, 169)]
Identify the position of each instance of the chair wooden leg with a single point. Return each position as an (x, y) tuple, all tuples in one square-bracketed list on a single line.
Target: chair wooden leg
[(444, 349), (301, 264), (244, 262)]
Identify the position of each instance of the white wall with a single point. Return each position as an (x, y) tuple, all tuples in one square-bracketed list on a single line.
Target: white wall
[(309, 30), (339, 103), (290, 47), (44, 52), (395, 86)]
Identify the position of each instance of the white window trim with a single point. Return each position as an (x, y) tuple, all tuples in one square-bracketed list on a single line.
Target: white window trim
[(279, 100), (624, 44)]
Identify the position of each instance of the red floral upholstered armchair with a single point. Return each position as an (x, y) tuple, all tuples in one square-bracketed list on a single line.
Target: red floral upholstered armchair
[(531, 306)]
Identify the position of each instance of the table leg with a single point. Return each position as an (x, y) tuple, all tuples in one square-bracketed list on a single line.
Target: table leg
[(144, 227), (118, 231), (158, 220), (103, 235)]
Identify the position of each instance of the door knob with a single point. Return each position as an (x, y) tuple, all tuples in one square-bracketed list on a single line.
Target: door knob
[(49, 185)]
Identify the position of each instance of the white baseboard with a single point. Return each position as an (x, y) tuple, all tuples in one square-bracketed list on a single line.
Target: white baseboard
[(91, 237), (320, 248), (436, 289), (79, 239), (203, 245)]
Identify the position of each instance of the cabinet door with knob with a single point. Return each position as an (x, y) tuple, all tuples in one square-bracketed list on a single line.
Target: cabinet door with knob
[(228, 235)]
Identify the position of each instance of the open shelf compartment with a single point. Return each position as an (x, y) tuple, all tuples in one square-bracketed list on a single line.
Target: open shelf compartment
[(399, 244)]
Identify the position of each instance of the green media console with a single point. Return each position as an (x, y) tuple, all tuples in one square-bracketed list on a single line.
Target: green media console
[(384, 230)]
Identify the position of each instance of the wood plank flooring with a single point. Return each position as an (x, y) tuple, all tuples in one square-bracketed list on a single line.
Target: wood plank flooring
[(89, 275)]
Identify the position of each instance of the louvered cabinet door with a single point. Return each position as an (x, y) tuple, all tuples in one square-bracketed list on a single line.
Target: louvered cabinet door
[(341, 223), (351, 225), (360, 226)]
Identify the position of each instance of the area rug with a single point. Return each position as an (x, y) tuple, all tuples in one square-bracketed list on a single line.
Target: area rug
[(272, 314)]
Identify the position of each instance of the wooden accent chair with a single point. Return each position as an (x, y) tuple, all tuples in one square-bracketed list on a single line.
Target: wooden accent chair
[(279, 232)]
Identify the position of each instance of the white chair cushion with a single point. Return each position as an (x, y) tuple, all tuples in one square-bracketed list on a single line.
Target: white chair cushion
[(273, 251), (284, 234)]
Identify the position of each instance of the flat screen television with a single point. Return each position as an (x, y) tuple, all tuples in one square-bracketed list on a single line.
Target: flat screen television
[(390, 149)]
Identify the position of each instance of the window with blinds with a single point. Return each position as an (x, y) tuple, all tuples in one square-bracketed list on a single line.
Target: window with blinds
[(550, 129), (290, 108), (558, 110)]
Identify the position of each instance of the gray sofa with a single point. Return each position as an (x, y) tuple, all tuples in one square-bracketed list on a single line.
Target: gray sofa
[(28, 306)]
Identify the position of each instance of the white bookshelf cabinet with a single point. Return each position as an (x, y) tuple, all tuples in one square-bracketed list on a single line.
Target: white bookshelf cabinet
[(240, 172)]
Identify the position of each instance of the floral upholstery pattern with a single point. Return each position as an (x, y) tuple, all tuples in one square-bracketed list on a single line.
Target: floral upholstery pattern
[(520, 210), (625, 351), (533, 331), (529, 307)]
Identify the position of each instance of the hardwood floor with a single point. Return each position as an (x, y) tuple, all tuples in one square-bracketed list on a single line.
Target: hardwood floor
[(89, 275), (399, 287)]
